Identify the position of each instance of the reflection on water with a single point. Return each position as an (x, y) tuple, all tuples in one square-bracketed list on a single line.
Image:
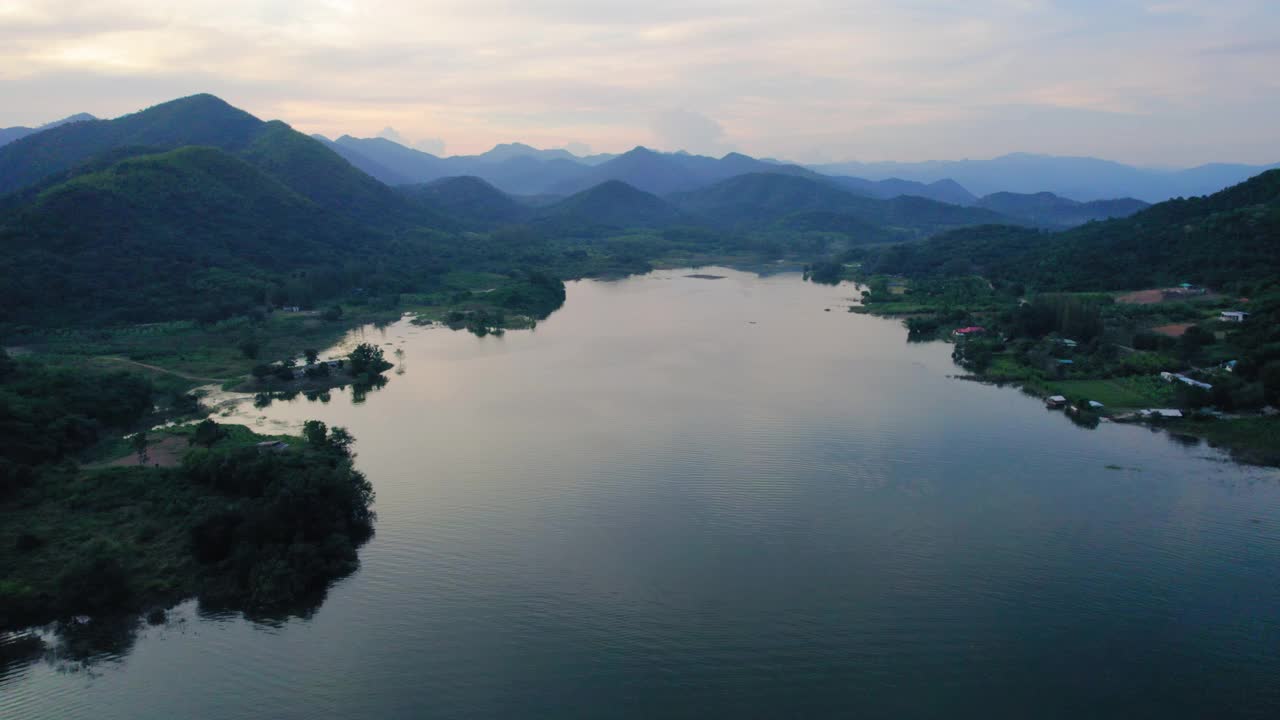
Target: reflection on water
[(686, 498)]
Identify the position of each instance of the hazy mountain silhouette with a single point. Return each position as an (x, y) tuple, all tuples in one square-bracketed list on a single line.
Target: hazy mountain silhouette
[(1230, 236), (1078, 178), (520, 169), (8, 135), (665, 173), (761, 198), (946, 190), (1051, 211), (517, 169), (507, 151), (364, 163)]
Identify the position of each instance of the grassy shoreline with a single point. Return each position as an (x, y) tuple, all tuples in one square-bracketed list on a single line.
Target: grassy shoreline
[(1104, 370)]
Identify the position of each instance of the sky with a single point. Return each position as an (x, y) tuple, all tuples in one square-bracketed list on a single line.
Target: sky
[(1150, 82)]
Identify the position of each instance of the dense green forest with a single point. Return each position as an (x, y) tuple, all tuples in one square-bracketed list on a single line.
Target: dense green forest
[(238, 526), (50, 413)]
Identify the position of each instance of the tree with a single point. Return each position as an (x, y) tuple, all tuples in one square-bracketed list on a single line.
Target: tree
[(1192, 341), (312, 355), (341, 440), (1270, 377), (333, 313), (320, 370), (316, 433), (367, 359), (184, 403), (250, 348), (207, 433), (138, 441), (6, 364)]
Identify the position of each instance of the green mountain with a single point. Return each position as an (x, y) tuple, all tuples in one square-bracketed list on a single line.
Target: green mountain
[(469, 199), (1230, 239), (300, 162), (317, 173), (1052, 211), (195, 120), (391, 162), (759, 199), (610, 205), (188, 233)]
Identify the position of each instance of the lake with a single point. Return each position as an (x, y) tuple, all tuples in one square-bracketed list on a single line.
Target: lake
[(684, 497)]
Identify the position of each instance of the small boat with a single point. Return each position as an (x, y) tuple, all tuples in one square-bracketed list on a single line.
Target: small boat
[(1055, 402)]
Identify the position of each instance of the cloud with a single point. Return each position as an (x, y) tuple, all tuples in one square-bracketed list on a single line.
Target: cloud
[(687, 130), (805, 78), (390, 133), (435, 146)]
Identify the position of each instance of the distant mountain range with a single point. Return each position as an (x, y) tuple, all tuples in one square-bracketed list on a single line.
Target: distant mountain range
[(1228, 239), (1078, 178), (194, 208), (8, 135), (520, 169)]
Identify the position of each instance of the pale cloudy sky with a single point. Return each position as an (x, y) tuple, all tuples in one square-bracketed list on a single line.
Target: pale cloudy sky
[(1170, 82)]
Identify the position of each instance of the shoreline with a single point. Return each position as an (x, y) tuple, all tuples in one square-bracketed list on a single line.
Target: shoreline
[(1235, 435)]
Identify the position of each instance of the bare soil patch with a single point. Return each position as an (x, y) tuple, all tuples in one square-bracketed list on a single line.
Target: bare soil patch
[(166, 452), (1174, 330), (1142, 297)]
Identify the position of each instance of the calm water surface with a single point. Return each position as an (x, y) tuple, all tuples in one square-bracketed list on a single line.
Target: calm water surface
[(710, 498)]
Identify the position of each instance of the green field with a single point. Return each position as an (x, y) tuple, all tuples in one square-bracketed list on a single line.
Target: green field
[(1117, 393)]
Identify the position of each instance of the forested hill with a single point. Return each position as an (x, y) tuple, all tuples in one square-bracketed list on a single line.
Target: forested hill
[(166, 236), (193, 209), (1230, 239), (195, 120), (471, 200), (613, 204), (300, 162)]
